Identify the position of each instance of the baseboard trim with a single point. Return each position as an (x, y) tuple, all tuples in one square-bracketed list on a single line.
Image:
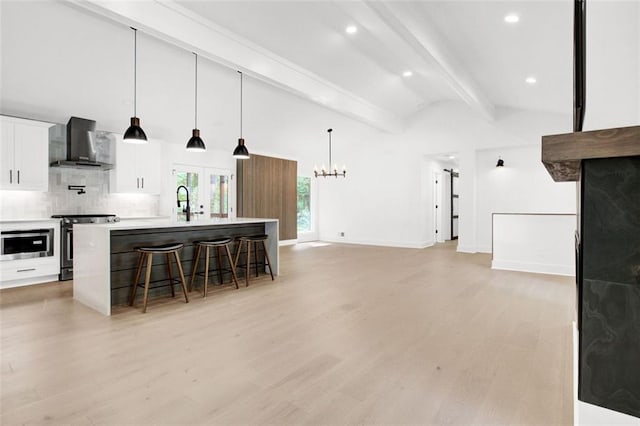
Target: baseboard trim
[(538, 268), (287, 242), (397, 244), (466, 249)]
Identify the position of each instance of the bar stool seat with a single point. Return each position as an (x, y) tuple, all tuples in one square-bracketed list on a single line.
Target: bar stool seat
[(217, 244), (255, 239), (148, 252), (162, 248)]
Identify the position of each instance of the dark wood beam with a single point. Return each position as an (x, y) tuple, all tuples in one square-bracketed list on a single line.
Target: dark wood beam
[(563, 154)]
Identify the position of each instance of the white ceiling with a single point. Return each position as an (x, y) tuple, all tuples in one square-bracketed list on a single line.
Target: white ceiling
[(457, 50), (451, 47)]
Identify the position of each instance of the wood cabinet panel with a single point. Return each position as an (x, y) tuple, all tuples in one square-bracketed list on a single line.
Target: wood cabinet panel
[(267, 188)]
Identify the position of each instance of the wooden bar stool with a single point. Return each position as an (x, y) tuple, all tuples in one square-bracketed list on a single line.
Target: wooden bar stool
[(148, 252), (217, 244), (255, 239)]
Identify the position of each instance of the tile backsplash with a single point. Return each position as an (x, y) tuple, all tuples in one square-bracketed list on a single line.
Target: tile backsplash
[(61, 200)]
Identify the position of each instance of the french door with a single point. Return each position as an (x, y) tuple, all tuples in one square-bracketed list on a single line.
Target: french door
[(210, 194)]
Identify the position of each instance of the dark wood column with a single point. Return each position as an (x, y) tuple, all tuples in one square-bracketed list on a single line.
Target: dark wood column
[(267, 188)]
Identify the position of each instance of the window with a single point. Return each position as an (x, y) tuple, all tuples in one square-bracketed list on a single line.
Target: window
[(304, 204), (219, 195)]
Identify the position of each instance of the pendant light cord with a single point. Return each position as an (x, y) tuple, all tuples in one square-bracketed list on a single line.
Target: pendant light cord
[(135, 69), (330, 130), (240, 104), (196, 97)]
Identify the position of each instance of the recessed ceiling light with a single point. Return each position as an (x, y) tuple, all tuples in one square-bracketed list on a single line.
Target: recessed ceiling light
[(407, 73), (511, 18), (531, 80), (351, 29), (451, 157)]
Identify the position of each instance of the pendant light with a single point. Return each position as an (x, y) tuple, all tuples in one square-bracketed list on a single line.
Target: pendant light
[(195, 143), (135, 134), (324, 172), (241, 152)]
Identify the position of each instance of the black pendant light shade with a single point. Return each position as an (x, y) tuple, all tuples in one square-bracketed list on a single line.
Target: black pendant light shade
[(135, 134), (195, 143), (241, 152), (500, 162)]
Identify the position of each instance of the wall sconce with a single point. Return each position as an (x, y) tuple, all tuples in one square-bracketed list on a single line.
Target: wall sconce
[(500, 162)]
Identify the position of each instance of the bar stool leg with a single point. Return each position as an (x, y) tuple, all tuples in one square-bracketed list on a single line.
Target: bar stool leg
[(146, 281), (194, 268), (255, 256), (219, 256), (266, 254), (173, 293), (132, 296), (248, 265), (237, 256), (182, 280), (233, 268), (206, 270)]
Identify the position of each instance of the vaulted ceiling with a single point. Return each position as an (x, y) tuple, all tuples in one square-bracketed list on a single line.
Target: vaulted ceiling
[(455, 50)]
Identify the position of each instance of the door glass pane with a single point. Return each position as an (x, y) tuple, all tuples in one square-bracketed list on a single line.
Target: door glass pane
[(219, 195), (304, 204), (190, 180)]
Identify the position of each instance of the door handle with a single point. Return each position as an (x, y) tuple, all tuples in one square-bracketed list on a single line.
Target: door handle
[(138, 183), (18, 177), (26, 270), (10, 176), (142, 183)]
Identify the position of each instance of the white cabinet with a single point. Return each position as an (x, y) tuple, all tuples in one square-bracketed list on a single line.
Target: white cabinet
[(137, 168), (24, 154), (20, 272)]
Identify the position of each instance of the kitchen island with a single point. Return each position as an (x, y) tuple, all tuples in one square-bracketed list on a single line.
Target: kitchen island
[(105, 259)]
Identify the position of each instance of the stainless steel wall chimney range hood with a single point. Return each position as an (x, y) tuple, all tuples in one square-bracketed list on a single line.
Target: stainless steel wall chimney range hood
[(81, 149)]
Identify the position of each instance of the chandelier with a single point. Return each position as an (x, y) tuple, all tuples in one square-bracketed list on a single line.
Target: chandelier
[(333, 172)]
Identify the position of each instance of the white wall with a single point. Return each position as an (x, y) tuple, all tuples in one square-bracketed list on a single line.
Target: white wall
[(542, 243), (521, 186)]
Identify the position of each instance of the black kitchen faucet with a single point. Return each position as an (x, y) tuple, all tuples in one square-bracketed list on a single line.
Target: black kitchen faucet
[(187, 210)]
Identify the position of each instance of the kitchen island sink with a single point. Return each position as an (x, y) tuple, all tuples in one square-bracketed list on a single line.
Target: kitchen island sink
[(105, 259)]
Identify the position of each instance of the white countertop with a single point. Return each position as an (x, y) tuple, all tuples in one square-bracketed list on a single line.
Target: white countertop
[(168, 223), (48, 219)]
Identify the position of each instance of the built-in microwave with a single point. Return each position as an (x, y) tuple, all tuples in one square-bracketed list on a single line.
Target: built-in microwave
[(26, 244)]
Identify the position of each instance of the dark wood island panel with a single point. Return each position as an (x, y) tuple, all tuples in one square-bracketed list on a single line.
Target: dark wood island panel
[(124, 258)]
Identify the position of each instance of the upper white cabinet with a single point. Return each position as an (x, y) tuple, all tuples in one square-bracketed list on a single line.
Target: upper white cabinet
[(137, 168), (24, 154)]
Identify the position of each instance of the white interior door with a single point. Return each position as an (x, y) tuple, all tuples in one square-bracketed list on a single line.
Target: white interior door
[(437, 208)]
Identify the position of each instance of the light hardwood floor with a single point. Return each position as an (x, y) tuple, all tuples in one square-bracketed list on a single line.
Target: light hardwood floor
[(346, 335)]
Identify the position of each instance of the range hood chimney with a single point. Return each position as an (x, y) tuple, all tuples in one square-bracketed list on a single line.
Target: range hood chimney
[(81, 150)]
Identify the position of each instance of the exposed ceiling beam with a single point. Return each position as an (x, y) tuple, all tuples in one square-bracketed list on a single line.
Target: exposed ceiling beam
[(384, 46), (177, 25), (413, 27)]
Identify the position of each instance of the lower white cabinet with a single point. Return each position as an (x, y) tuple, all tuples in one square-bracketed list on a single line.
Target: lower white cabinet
[(24, 154), (21, 272), (137, 168)]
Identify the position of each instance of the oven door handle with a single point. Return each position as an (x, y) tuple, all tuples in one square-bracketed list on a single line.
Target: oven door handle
[(69, 240)]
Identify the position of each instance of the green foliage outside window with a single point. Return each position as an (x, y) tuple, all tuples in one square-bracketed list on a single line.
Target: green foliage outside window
[(304, 204)]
